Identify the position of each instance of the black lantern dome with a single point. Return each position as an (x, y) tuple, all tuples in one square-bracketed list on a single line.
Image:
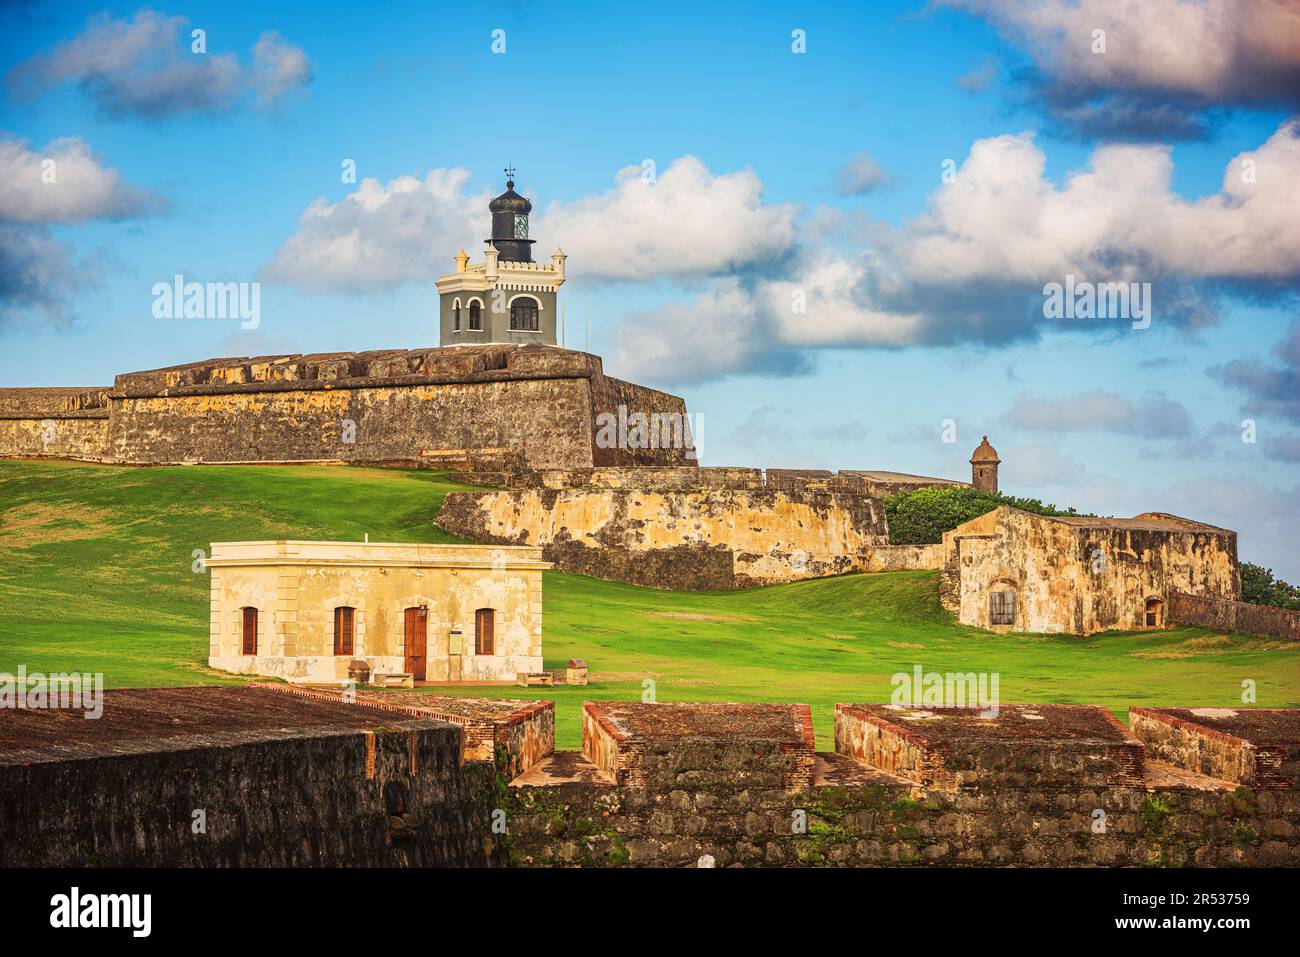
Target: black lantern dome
[(510, 224)]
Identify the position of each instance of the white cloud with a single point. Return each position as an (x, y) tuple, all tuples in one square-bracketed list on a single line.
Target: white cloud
[(279, 67), (687, 222), (1212, 50), (972, 268), (1164, 63), (382, 234), (75, 187), (63, 183), (142, 67)]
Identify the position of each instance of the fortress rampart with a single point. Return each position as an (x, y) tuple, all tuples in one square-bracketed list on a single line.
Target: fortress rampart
[(707, 538), (492, 406), (654, 785), (705, 528)]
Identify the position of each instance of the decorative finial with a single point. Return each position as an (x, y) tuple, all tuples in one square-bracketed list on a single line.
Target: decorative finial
[(510, 176)]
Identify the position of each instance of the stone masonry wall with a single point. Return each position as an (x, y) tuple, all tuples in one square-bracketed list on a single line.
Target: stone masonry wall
[(391, 797), (84, 438), (679, 539), (742, 816), (497, 406), (1227, 615), (66, 423)]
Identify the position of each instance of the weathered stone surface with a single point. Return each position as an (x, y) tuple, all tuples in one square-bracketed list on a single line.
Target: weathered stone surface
[(698, 539), (1256, 747), (515, 735), (1226, 615), (1044, 746), (1082, 575), (528, 407), (293, 589), (663, 745), (279, 781)]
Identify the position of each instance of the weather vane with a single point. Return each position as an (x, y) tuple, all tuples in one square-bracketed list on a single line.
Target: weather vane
[(510, 171)]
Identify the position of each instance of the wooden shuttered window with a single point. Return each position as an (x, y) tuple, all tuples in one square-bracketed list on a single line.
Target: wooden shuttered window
[(484, 627), (249, 629), (344, 629), (1002, 608)]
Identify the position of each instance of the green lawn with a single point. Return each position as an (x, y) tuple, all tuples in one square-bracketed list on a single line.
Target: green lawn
[(95, 575)]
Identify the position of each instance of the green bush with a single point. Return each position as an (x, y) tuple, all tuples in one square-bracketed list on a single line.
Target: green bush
[(921, 517), (1260, 587)]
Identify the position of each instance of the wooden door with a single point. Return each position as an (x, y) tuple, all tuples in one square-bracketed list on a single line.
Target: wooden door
[(417, 641), (250, 631)]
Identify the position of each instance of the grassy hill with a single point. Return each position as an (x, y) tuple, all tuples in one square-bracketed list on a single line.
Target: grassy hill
[(96, 575)]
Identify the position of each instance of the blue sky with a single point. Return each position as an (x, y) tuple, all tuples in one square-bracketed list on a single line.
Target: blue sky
[(934, 290)]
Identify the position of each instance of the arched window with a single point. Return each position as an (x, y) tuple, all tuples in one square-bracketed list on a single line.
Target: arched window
[(523, 314), (344, 629), (484, 631), (249, 627), (455, 315), (475, 316)]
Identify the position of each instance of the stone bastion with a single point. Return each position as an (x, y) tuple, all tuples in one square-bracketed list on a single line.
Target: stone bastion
[(272, 775)]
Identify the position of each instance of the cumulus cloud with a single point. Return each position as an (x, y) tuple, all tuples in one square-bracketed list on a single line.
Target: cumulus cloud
[(1153, 415), (687, 223), (142, 67), (973, 266), (65, 183), (279, 67), (1164, 61), (382, 234), (860, 175), (1270, 388)]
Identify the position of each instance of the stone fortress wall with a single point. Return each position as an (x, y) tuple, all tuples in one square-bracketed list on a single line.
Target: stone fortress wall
[(701, 528), (518, 407), (410, 779)]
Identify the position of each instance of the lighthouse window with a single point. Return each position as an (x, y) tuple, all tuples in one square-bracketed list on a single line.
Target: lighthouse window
[(475, 316), (455, 315), (523, 315)]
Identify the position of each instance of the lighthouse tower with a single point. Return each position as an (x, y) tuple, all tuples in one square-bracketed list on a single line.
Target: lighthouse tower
[(507, 297)]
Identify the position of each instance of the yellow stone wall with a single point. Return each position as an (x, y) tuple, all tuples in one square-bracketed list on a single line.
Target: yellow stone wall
[(297, 585), (1059, 586)]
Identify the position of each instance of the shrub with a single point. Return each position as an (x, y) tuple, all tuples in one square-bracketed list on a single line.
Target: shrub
[(921, 517), (1260, 587)]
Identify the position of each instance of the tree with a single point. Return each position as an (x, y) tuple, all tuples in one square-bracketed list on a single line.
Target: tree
[(921, 517), (1259, 587)]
